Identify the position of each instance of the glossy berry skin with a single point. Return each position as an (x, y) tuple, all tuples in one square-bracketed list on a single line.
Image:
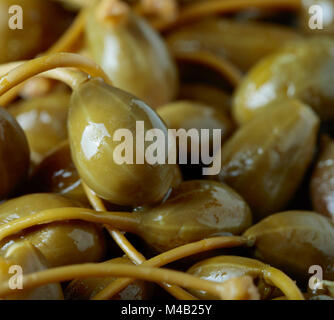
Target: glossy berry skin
[(303, 70), (266, 159), (97, 111)]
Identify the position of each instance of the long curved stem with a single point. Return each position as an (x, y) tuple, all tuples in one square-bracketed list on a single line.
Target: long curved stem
[(39, 65), (127, 247), (233, 289), (123, 220), (174, 255), (6, 67), (71, 77), (206, 8)]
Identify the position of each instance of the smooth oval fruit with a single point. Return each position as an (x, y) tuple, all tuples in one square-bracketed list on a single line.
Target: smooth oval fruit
[(43, 120), (222, 268), (66, 243), (266, 159), (85, 289), (132, 54), (242, 42), (322, 180), (295, 240), (14, 154), (61, 243), (303, 70), (97, 112), (196, 210)]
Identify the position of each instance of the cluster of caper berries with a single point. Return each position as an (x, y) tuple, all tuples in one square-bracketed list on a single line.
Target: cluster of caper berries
[(262, 77)]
